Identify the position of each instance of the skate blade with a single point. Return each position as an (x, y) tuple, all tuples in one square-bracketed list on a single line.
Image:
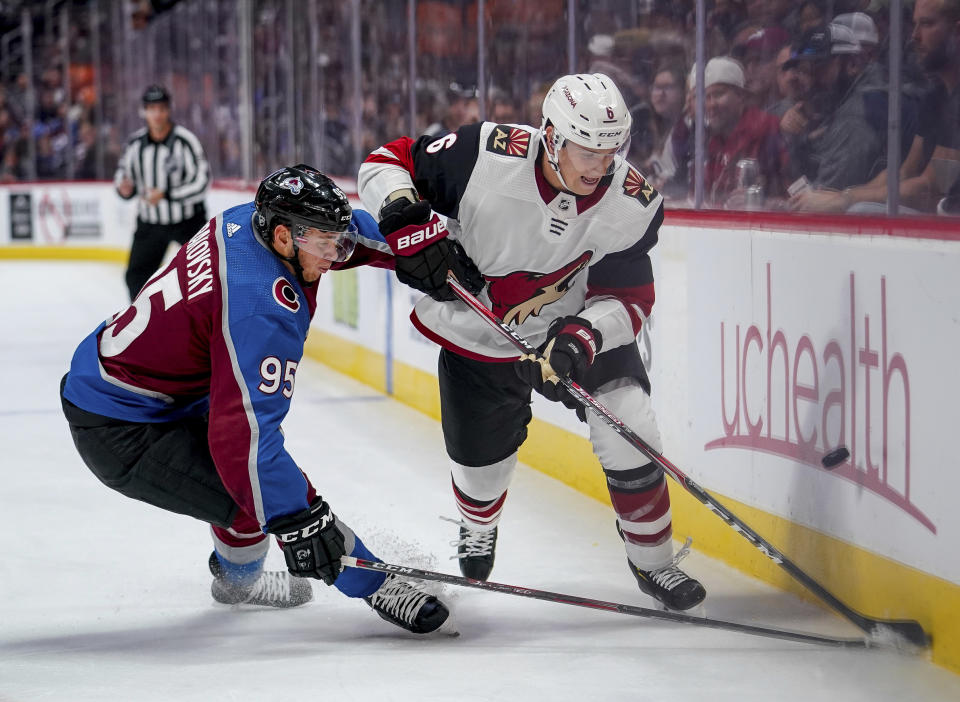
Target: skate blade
[(449, 628)]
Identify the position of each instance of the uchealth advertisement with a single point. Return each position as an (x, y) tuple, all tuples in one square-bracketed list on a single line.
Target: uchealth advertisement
[(799, 344)]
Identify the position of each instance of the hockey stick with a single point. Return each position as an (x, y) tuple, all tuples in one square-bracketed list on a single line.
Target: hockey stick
[(559, 598), (907, 630)]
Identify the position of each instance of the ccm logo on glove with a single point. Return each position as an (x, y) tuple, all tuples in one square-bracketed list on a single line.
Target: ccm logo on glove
[(406, 242), (308, 530)]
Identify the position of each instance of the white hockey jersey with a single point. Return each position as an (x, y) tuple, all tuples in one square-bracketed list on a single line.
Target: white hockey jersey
[(544, 254)]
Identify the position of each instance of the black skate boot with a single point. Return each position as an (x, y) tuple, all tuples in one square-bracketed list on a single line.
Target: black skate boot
[(403, 603), (475, 550), (670, 585), (274, 588)]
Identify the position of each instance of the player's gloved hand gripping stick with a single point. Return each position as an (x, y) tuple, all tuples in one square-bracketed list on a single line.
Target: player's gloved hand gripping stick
[(572, 344), (880, 630), (422, 252), (311, 541)]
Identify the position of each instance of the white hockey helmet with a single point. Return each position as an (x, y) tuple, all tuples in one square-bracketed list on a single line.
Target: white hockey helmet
[(588, 110)]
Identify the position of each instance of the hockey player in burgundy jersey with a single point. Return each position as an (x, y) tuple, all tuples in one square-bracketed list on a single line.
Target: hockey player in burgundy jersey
[(178, 400), (556, 228)]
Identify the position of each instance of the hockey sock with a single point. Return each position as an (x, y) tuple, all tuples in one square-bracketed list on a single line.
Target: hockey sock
[(642, 503), (480, 491), (240, 574)]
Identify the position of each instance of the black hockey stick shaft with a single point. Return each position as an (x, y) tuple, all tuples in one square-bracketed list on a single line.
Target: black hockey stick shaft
[(602, 605), (910, 630)]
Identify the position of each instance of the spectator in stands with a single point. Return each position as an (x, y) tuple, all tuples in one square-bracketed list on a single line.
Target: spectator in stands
[(629, 63), (864, 31), (830, 140), (929, 170), (666, 97), (455, 113), (773, 13), (10, 166), (726, 17), (502, 108), (85, 152), (48, 158), (758, 57), (793, 81), (738, 132), (471, 112), (534, 106), (810, 15)]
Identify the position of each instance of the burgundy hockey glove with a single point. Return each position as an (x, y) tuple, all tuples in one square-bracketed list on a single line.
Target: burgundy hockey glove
[(311, 542), (572, 344), (422, 251)]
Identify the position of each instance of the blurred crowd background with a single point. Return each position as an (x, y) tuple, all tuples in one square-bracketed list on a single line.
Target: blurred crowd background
[(810, 105)]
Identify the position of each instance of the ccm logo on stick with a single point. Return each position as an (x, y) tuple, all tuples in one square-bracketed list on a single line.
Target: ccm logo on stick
[(430, 231)]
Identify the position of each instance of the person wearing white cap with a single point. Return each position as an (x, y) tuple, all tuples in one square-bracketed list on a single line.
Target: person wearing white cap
[(737, 132), (862, 25), (864, 30)]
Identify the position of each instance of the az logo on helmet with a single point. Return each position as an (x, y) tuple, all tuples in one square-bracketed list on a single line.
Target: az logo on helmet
[(293, 184)]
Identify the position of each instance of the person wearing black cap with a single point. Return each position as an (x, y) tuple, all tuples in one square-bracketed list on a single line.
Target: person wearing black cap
[(829, 136), (164, 165)]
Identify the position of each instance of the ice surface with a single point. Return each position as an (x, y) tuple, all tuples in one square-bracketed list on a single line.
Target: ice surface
[(104, 598)]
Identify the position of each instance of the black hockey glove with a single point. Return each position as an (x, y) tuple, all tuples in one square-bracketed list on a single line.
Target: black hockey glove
[(572, 344), (422, 251), (311, 542)]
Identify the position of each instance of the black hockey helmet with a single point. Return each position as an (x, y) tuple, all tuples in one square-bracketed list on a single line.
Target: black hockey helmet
[(303, 198), (155, 93), (301, 195)]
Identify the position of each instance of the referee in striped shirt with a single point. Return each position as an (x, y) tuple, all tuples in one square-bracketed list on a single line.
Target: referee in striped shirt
[(165, 166)]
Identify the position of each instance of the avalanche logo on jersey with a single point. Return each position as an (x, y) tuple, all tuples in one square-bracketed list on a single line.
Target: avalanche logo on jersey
[(509, 141), (521, 294), (285, 295), (636, 187), (293, 184)]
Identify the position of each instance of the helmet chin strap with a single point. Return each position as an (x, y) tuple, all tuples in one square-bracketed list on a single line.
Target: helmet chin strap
[(294, 260), (555, 163)]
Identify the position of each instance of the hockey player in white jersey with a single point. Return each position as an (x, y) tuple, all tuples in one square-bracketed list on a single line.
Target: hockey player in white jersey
[(553, 229)]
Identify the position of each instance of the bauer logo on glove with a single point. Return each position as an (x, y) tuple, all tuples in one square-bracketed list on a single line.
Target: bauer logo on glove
[(422, 251), (413, 242)]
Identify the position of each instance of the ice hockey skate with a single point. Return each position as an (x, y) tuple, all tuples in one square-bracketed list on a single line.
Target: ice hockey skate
[(669, 585), (405, 604), (476, 550), (274, 588)]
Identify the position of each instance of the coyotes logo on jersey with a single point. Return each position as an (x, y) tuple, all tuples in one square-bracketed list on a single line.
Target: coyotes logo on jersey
[(635, 186), (520, 294), (509, 141)]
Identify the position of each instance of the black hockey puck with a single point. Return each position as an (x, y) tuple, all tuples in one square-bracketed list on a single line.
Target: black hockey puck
[(835, 457)]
